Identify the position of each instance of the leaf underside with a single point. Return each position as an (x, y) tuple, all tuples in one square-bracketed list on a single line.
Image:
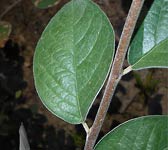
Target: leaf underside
[(72, 59), (144, 133), (149, 47)]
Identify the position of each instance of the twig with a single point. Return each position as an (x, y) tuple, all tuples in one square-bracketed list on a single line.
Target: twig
[(85, 126), (115, 73), (127, 70), (9, 8)]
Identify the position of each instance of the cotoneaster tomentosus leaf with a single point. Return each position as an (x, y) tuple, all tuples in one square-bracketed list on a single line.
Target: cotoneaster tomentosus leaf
[(72, 59), (144, 133), (157, 55), (146, 49)]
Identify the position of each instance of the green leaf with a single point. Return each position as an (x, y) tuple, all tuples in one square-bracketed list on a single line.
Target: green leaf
[(156, 57), (144, 133), (5, 30), (72, 59), (149, 47), (45, 3)]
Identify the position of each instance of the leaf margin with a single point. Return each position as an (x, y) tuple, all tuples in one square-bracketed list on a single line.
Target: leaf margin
[(107, 74), (130, 120)]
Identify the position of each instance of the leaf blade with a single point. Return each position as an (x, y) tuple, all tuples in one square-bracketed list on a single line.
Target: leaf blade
[(73, 58), (151, 33), (151, 57), (147, 133)]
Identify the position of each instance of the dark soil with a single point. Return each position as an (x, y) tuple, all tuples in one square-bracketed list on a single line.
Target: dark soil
[(18, 98)]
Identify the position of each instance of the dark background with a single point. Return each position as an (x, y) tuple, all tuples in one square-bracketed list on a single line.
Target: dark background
[(139, 93)]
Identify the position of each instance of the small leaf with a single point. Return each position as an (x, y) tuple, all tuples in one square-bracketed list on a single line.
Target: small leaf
[(45, 3), (5, 30), (144, 133), (149, 47), (72, 59)]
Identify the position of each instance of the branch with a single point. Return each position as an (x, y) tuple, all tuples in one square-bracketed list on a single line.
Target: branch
[(116, 72)]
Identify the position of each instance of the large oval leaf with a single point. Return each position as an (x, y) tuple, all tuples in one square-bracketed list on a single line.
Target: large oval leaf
[(144, 133), (72, 59), (149, 39)]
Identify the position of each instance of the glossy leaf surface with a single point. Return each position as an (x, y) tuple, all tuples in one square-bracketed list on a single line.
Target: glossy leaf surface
[(144, 133), (146, 49), (72, 59), (45, 3)]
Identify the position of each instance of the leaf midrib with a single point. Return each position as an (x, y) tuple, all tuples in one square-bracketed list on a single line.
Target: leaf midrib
[(74, 62)]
